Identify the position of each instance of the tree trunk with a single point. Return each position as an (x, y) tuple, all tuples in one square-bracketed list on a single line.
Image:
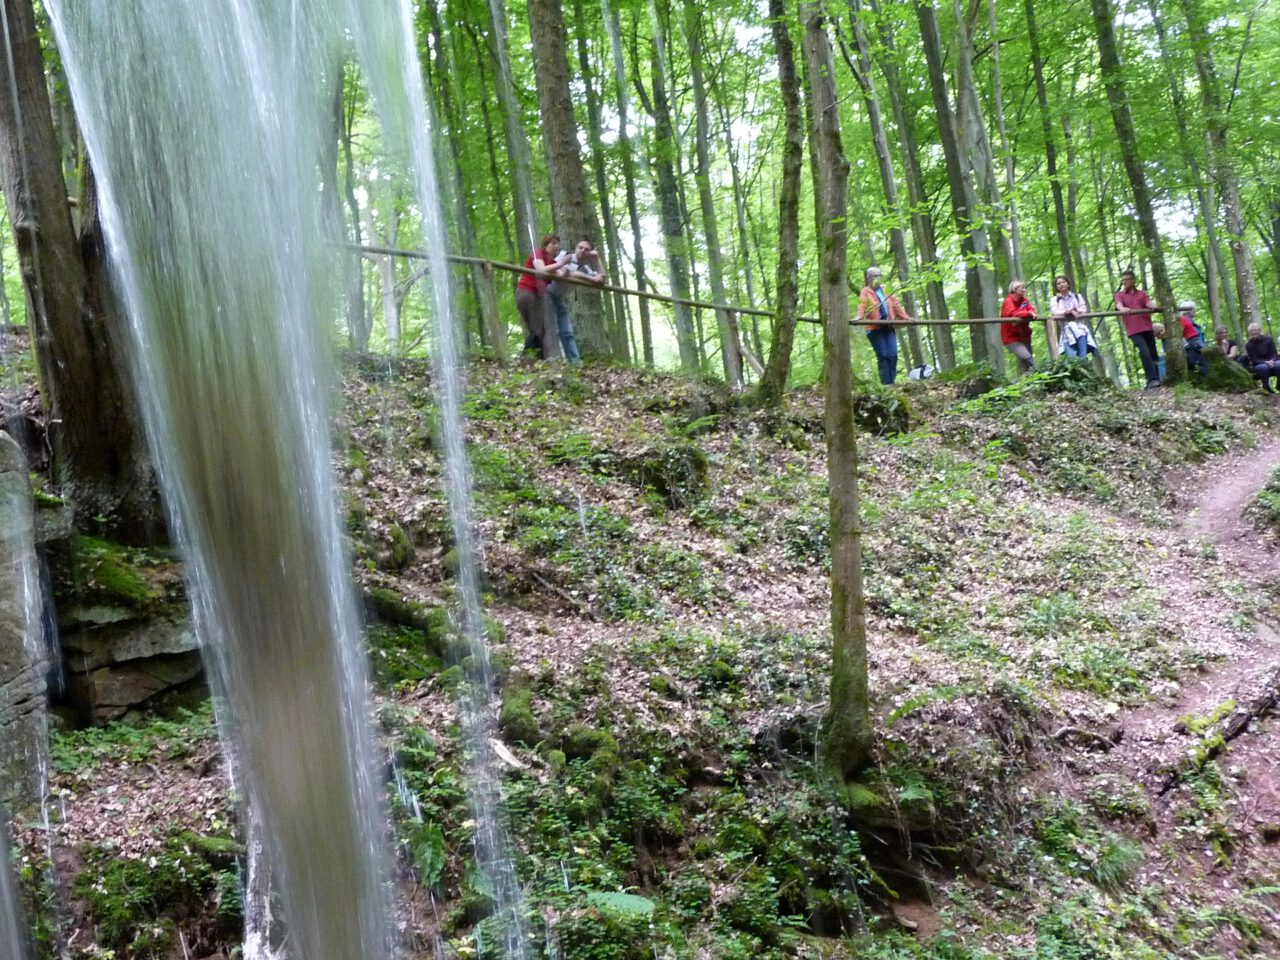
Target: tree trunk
[(1216, 126), (921, 220), (1204, 192), (490, 138), (846, 729), (519, 156), (1117, 95), (888, 181), (997, 97), (975, 247), (570, 200), (100, 458), (726, 321), (1050, 145), (359, 322), (494, 337), (618, 340), (774, 381), (627, 153), (669, 211)]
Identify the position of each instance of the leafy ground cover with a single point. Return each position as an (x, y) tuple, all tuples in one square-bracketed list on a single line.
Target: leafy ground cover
[(1049, 638)]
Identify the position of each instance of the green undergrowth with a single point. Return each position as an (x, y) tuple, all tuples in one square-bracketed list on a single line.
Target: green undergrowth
[(133, 741)]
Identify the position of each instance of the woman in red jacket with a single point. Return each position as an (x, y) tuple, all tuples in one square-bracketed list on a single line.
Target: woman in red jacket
[(1015, 333)]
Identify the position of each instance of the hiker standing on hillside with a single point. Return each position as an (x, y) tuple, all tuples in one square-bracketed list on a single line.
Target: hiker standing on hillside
[(1015, 332), (583, 263), (537, 314), (875, 303), (1067, 306), (1135, 309)]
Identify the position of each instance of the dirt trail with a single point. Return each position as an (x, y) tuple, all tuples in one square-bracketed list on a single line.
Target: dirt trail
[(1224, 489)]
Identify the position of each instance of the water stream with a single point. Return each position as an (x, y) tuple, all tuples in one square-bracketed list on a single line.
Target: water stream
[(206, 124)]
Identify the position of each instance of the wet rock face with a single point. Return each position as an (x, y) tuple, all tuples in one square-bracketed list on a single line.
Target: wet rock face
[(124, 630), (22, 683), (117, 661)]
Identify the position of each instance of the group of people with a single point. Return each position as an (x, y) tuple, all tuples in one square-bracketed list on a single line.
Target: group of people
[(542, 296), (1075, 338)]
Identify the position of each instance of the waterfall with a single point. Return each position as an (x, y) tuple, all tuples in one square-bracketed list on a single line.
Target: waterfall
[(24, 753), (13, 930), (206, 124)]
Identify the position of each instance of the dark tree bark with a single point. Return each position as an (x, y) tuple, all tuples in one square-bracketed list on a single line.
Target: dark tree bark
[(1127, 138), (774, 381), (846, 729), (570, 199), (100, 458)]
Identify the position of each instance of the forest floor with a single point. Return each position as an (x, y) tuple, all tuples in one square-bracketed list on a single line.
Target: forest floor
[(1070, 596)]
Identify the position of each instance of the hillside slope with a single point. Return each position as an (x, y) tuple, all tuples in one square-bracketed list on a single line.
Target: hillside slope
[(1065, 666)]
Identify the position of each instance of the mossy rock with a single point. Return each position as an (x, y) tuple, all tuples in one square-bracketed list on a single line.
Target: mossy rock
[(516, 718), (435, 623), (970, 379), (403, 655), (108, 572), (882, 412), (584, 743), (137, 905), (676, 471), (400, 550), (1225, 375)]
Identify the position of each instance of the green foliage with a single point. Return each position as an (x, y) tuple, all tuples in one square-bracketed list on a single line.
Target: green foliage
[(113, 573), (1064, 375), (132, 741)]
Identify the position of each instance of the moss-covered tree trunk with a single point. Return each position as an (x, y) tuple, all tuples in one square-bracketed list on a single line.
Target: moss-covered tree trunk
[(846, 729), (774, 381)]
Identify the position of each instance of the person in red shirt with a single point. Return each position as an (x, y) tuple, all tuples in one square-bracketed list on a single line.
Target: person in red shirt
[(1192, 339), (1015, 333), (1135, 313), (536, 311)]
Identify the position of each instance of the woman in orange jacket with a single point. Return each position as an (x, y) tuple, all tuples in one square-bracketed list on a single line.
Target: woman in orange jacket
[(874, 303), (1015, 332)]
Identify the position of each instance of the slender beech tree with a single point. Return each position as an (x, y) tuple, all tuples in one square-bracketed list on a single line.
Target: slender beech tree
[(1217, 115), (1127, 140), (626, 152), (1050, 143), (1214, 269), (861, 69), (997, 101), (726, 320), (100, 458), (663, 157), (921, 219), (774, 380), (570, 199), (980, 285), (519, 156), (493, 332), (846, 729)]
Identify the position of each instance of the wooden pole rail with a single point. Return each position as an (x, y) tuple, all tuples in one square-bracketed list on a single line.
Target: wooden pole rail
[(702, 304)]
